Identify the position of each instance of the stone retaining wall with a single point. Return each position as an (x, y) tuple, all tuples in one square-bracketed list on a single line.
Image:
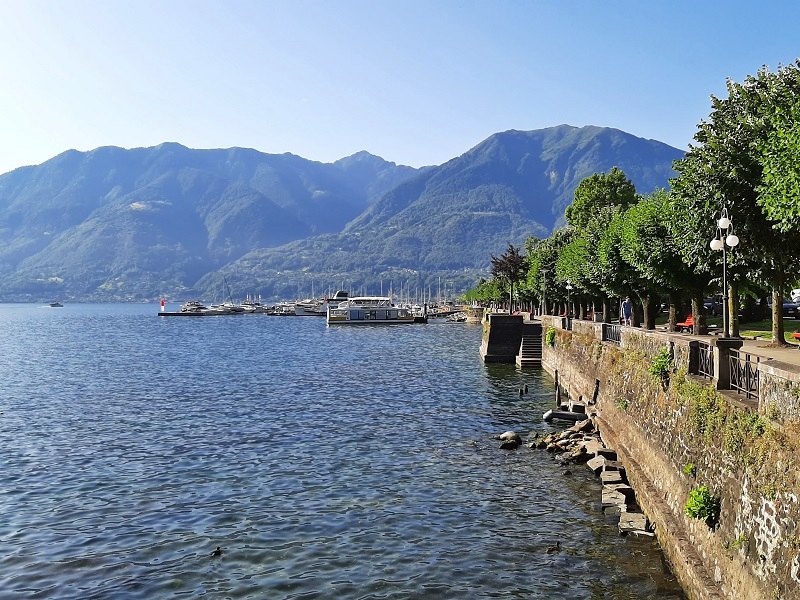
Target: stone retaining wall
[(677, 433)]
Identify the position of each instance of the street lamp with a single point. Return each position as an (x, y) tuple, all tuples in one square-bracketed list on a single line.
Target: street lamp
[(725, 237), (544, 289), (569, 306)]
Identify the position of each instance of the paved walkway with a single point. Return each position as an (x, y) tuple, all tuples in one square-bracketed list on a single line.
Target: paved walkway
[(785, 354), (789, 354)]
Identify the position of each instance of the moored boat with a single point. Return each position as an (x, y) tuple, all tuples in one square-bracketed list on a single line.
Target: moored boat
[(368, 310), (319, 308), (195, 308)]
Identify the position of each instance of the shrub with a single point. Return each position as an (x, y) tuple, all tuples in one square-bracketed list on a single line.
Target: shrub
[(661, 365), (703, 505), (550, 337)]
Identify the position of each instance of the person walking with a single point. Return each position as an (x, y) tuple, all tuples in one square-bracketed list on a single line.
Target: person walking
[(627, 311)]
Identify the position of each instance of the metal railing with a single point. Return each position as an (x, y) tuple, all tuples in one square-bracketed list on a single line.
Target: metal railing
[(744, 373), (705, 360), (612, 333)]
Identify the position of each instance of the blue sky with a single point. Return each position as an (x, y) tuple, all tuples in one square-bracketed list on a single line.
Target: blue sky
[(416, 82)]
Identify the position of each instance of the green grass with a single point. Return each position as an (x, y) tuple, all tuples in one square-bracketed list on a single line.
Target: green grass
[(763, 329), (755, 329)]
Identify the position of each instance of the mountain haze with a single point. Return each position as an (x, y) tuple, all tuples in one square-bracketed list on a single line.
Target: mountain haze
[(446, 221), (136, 224)]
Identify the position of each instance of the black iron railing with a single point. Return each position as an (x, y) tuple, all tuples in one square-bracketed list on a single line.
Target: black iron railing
[(705, 360), (744, 373), (612, 333)]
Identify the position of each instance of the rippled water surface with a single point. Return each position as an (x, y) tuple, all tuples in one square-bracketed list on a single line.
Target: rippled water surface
[(349, 462)]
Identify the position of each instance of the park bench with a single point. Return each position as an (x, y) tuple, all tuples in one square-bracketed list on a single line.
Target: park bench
[(796, 335), (687, 325)]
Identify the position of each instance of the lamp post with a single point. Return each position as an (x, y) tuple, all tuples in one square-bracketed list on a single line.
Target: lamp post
[(569, 306), (725, 237), (544, 289)]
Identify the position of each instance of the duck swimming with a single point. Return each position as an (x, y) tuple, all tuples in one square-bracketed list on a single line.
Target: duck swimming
[(553, 549), (217, 553)]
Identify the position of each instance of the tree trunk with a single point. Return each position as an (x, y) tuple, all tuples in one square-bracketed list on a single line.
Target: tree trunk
[(733, 308), (510, 297), (606, 310), (674, 307), (699, 314), (777, 317), (648, 318)]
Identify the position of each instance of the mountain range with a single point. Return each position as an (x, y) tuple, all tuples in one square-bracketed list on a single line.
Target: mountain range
[(115, 224)]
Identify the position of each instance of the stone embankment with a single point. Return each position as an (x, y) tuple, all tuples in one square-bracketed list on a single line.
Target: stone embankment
[(582, 444)]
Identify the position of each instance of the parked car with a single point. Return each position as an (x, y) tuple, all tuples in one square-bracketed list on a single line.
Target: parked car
[(790, 309), (713, 306)]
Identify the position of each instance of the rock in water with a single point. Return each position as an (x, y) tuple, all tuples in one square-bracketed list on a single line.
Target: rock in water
[(510, 435)]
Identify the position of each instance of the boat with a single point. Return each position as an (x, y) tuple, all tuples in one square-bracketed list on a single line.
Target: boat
[(319, 308), (195, 308), (368, 310), (254, 306), (56, 304)]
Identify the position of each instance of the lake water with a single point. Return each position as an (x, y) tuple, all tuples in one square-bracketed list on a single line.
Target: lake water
[(327, 462)]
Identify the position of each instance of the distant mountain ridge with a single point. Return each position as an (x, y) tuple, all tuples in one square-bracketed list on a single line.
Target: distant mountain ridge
[(116, 224)]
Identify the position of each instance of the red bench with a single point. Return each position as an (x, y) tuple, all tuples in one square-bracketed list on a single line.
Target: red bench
[(687, 325), (796, 335)]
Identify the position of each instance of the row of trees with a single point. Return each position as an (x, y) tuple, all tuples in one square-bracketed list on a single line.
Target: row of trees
[(617, 243)]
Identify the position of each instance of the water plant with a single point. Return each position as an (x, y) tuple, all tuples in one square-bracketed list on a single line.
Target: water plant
[(550, 336), (703, 505)]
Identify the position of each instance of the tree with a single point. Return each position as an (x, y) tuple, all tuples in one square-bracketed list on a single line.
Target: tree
[(598, 199), (596, 192), (648, 245), (725, 169), (779, 192), (485, 292), (542, 279), (509, 267)]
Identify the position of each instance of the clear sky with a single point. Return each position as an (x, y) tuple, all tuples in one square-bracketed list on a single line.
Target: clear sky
[(417, 82)]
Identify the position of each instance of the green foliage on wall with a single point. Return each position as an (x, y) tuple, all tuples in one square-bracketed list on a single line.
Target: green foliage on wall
[(707, 408), (703, 505), (550, 337), (689, 469), (662, 364)]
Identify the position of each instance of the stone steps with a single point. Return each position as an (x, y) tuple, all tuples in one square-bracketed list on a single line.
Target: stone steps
[(530, 351)]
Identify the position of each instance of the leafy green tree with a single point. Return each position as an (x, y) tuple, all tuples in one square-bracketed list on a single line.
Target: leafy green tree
[(485, 292), (647, 244), (779, 192), (724, 168), (599, 191), (542, 281), (598, 199), (623, 278), (509, 268)]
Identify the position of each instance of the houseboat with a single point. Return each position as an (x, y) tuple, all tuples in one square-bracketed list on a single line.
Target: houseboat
[(368, 310)]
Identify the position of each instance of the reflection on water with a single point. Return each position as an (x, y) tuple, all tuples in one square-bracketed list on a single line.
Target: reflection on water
[(327, 463)]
